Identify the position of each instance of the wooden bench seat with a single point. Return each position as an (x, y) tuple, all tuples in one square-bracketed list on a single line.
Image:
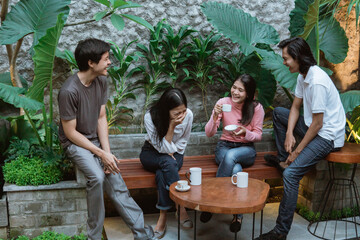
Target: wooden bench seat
[(135, 176)]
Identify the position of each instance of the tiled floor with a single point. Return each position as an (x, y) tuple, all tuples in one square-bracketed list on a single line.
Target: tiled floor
[(216, 229)]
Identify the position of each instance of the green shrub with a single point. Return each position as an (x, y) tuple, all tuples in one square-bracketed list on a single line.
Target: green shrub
[(53, 236), (31, 171)]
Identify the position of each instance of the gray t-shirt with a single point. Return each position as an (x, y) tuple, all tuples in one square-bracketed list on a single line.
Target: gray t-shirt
[(83, 104)]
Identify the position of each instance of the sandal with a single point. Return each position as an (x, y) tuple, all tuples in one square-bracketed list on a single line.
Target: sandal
[(160, 234), (186, 224), (235, 225), (205, 216)]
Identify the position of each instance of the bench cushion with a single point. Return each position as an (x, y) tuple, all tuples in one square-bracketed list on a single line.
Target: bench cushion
[(135, 176)]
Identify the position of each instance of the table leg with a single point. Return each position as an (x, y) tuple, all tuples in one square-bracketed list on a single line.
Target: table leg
[(253, 229), (236, 218), (194, 224), (261, 222), (178, 212)]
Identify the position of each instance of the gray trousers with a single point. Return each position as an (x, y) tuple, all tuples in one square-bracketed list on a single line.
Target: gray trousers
[(115, 188)]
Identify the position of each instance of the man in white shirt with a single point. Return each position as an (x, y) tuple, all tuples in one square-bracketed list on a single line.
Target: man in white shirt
[(322, 128)]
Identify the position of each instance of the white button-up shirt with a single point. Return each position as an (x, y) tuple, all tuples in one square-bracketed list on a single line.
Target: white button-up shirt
[(320, 95), (180, 137)]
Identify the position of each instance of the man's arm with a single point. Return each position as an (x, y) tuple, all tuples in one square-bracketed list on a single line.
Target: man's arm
[(315, 126), (80, 140), (293, 118)]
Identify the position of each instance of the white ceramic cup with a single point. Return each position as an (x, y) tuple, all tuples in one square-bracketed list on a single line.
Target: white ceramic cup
[(182, 184), (242, 179), (226, 108), (194, 176)]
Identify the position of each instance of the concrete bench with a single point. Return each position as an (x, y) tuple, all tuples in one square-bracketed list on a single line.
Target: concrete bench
[(135, 176)]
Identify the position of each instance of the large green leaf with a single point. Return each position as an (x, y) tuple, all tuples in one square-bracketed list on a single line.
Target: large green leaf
[(139, 20), (350, 100), (31, 16), (6, 79), (304, 17), (274, 63), (13, 95), (333, 40), (265, 81), (239, 26), (44, 60)]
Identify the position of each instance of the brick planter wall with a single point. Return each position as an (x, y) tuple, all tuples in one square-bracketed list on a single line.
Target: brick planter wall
[(312, 186), (3, 218), (58, 207)]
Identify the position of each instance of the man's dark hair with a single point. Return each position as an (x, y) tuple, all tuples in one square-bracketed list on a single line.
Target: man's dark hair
[(160, 112), (299, 50), (90, 49)]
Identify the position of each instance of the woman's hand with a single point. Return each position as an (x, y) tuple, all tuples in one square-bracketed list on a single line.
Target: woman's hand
[(241, 132), (172, 155), (217, 111), (177, 120)]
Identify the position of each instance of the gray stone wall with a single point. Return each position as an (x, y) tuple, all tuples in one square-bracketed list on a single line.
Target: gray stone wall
[(125, 146), (177, 13), (60, 207)]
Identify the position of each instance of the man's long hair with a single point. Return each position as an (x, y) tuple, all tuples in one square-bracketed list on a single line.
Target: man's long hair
[(299, 50)]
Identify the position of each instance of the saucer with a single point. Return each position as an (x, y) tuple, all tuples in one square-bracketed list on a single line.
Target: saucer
[(182, 189), (232, 127)]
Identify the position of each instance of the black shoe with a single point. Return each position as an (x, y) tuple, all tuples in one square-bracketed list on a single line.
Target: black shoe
[(235, 226), (205, 217), (273, 161), (272, 235)]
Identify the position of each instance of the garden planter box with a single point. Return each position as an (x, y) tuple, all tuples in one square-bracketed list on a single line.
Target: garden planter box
[(60, 207)]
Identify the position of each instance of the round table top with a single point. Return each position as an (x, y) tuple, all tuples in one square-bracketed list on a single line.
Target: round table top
[(349, 153), (219, 195)]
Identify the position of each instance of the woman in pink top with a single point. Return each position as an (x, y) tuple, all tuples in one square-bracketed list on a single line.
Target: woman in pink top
[(235, 149)]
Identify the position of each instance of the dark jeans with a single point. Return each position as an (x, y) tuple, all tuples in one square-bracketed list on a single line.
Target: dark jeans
[(316, 150), (165, 169)]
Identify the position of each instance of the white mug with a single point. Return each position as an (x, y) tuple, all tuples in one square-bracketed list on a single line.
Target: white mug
[(226, 108), (195, 175), (241, 179), (182, 184)]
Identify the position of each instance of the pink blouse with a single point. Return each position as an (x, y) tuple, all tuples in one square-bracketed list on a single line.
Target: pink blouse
[(253, 129)]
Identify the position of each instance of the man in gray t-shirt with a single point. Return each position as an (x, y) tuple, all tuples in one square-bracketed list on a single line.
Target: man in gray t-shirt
[(84, 136)]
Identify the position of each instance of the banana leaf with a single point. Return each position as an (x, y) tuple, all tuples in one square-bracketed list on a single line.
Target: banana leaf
[(350, 100), (31, 16), (239, 26)]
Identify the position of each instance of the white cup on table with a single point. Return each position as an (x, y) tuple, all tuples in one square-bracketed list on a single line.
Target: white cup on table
[(194, 175), (242, 179)]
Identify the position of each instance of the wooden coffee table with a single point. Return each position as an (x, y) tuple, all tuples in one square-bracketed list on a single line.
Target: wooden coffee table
[(219, 195)]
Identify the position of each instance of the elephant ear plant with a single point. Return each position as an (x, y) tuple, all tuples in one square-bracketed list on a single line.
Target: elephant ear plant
[(306, 21), (33, 100)]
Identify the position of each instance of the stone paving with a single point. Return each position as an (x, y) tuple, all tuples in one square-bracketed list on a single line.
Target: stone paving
[(216, 229)]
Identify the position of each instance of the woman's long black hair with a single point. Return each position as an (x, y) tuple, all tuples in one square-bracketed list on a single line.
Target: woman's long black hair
[(160, 112), (249, 102)]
